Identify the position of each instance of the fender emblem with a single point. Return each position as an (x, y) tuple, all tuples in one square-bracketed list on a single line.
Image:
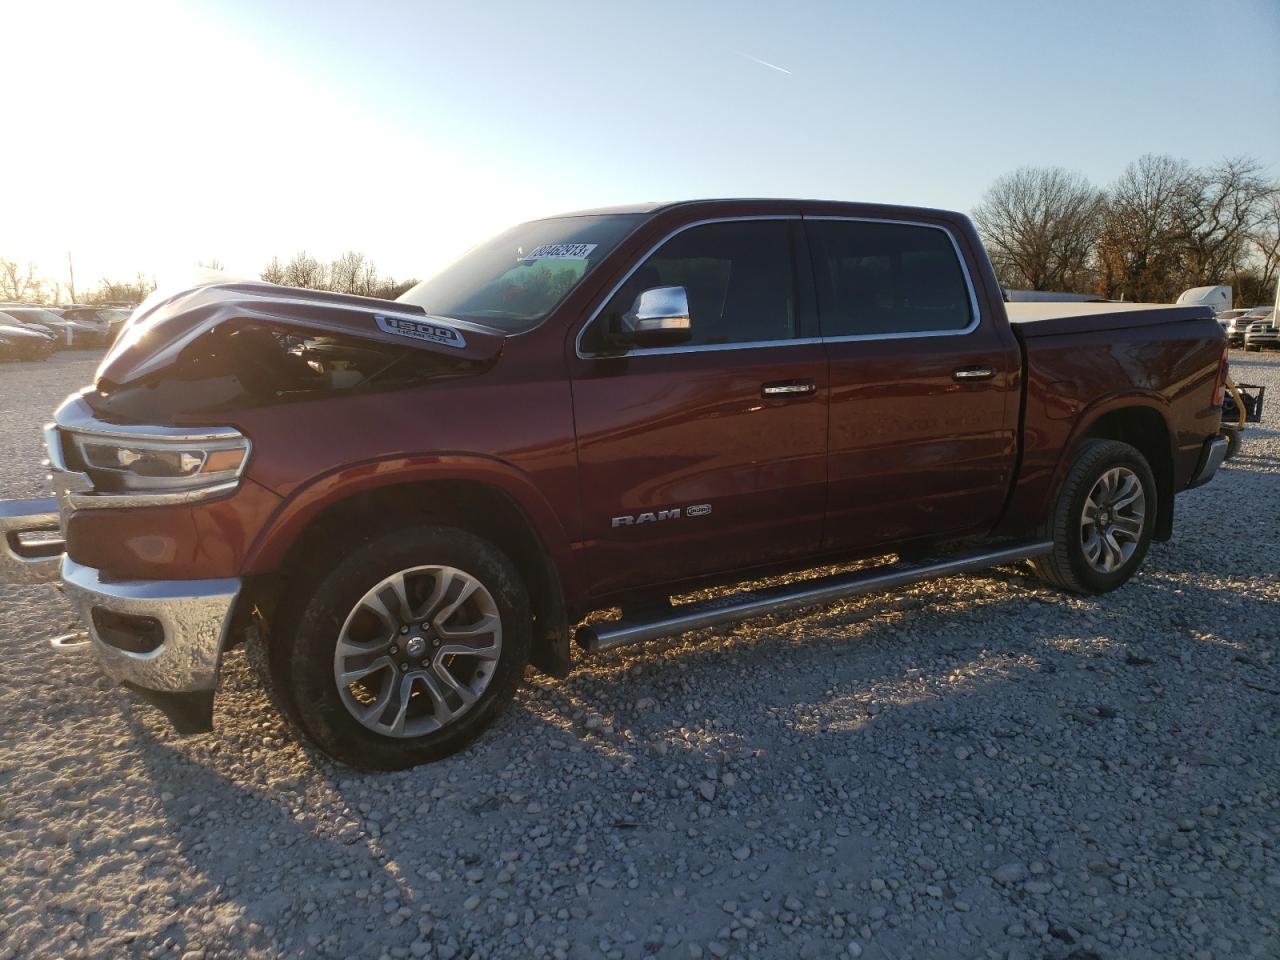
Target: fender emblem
[(653, 516), (420, 330)]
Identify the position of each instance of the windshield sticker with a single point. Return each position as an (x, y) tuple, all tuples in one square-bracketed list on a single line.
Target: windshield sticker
[(420, 330), (559, 251)]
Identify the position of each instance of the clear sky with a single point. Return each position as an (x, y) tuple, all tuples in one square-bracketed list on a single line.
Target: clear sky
[(149, 136)]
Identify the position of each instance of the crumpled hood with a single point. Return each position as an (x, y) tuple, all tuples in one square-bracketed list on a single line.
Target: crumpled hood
[(164, 324)]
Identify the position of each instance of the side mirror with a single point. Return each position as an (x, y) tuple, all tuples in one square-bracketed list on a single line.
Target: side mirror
[(659, 316)]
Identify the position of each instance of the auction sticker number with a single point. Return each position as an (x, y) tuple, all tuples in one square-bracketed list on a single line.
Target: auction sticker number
[(559, 251)]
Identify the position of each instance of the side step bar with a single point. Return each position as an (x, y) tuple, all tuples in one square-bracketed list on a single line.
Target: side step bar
[(599, 637)]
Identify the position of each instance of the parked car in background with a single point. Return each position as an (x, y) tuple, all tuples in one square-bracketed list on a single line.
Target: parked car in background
[(1229, 321), (105, 322), (20, 342), (1261, 331), (69, 332)]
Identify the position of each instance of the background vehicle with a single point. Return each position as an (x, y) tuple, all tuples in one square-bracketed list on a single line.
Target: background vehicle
[(68, 332), (1233, 326), (1260, 329), (20, 342), (103, 322), (409, 501), (1217, 297)]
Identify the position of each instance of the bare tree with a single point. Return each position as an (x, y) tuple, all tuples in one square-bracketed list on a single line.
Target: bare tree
[(1216, 213), (1264, 239), (306, 271), (1040, 226), (273, 272), (121, 291), (18, 283), (1140, 255), (346, 274), (213, 263)]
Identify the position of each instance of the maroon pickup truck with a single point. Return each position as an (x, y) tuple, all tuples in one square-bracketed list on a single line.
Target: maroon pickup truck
[(408, 502)]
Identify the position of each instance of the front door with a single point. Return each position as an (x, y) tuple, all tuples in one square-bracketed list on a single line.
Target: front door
[(924, 388), (709, 455)]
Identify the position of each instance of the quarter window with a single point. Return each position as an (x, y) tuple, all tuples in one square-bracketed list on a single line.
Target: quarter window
[(737, 274), (887, 278)]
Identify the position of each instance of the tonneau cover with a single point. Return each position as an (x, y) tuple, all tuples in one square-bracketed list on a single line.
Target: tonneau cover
[(1054, 319)]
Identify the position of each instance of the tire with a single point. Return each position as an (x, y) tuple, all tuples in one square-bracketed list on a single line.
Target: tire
[(1069, 566), (339, 602)]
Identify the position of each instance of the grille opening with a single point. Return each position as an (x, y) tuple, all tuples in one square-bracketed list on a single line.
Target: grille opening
[(128, 632)]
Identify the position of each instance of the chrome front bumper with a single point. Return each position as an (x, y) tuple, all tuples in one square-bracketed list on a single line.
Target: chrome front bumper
[(23, 560), (162, 638), (189, 618)]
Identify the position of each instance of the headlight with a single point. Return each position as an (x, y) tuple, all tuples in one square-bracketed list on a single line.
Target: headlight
[(154, 465)]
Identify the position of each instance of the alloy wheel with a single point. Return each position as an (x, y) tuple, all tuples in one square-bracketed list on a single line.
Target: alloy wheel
[(1112, 520), (418, 650)]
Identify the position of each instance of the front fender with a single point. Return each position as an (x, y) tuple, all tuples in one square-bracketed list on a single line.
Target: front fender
[(307, 502)]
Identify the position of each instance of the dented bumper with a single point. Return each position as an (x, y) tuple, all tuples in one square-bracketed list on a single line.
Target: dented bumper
[(162, 638)]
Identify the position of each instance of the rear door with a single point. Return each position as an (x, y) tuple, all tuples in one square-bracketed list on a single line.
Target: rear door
[(923, 386), (710, 455)]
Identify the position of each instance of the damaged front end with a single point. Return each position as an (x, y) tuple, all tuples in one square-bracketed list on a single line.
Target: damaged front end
[(154, 435)]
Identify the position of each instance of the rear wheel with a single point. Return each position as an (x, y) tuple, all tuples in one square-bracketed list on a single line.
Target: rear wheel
[(407, 650), (1102, 523)]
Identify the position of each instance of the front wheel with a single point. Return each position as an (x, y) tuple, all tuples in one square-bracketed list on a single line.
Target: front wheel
[(1102, 523), (407, 650)]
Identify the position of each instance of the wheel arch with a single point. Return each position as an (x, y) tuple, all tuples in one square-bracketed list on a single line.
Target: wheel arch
[(1142, 425), (317, 523)]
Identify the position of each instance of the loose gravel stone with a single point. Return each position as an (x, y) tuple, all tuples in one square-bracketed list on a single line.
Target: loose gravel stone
[(844, 781)]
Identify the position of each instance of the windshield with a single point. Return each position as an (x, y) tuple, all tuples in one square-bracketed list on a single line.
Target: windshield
[(514, 280)]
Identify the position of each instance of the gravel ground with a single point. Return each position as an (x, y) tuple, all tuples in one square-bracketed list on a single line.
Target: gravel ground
[(974, 768)]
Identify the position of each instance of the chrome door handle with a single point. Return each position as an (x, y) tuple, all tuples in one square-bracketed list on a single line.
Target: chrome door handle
[(789, 388), (973, 373)]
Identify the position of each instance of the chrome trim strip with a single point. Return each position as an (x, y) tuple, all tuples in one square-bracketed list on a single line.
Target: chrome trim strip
[(76, 416), (600, 637), (756, 344)]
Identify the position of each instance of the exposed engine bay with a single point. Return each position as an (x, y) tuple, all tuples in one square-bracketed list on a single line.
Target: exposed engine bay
[(248, 363)]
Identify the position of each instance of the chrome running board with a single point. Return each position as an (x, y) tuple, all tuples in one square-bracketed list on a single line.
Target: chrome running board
[(599, 637)]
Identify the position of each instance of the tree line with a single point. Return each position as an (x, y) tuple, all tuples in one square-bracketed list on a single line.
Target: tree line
[(1162, 227), (350, 273)]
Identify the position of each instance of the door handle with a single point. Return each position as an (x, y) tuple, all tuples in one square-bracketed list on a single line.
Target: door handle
[(789, 388), (973, 373)]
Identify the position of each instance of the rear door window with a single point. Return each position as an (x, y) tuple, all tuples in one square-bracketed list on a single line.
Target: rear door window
[(877, 279)]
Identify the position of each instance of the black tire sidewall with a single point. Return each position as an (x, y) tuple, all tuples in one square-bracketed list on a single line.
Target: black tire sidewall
[(313, 691), (1117, 455)]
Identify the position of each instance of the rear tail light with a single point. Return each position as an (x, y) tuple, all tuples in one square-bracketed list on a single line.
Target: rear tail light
[(1220, 388)]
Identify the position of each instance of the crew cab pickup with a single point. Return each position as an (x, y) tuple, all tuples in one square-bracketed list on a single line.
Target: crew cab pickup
[(403, 504)]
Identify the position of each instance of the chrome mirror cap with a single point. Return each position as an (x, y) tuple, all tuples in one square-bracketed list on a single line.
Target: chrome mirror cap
[(659, 310)]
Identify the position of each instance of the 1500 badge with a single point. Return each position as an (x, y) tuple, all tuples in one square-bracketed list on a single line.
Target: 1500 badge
[(635, 519), (420, 330)]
